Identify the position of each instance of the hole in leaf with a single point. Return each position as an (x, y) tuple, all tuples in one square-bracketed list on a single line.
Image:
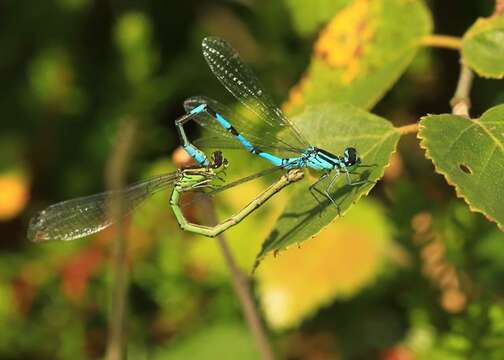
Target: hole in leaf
[(465, 169)]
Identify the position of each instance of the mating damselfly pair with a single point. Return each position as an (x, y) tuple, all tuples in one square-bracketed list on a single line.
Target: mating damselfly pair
[(262, 129), (80, 217)]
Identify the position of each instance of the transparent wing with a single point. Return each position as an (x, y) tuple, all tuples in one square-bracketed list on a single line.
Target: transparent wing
[(240, 81), (234, 183), (244, 180), (243, 122), (76, 218), (218, 142)]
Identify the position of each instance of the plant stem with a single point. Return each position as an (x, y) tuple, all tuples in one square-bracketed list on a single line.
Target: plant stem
[(115, 174), (443, 41), (408, 129), (241, 289), (461, 102)]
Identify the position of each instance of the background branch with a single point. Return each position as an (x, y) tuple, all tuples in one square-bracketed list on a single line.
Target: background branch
[(115, 179), (408, 129), (442, 41), (461, 102), (241, 289)]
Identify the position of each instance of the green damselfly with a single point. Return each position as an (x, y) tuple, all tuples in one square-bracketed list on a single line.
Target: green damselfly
[(84, 216)]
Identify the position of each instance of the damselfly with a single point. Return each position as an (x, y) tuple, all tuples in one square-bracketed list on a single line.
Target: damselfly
[(272, 136), (80, 217), (211, 231)]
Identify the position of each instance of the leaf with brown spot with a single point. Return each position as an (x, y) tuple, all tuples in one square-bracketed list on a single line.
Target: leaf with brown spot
[(361, 53), (470, 155)]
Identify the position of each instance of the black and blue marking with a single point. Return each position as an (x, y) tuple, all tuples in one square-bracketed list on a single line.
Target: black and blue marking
[(312, 157), (281, 134)]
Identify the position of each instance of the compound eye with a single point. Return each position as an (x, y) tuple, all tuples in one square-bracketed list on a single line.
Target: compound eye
[(217, 158), (351, 154)]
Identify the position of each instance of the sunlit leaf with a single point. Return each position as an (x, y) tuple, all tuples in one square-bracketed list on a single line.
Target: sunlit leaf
[(224, 341), (483, 47), (470, 155), (338, 263), (333, 127), (307, 16), (14, 194), (362, 52), (245, 239)]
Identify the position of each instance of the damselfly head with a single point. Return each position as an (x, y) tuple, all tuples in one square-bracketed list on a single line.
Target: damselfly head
[(350, 157), (218, 160)]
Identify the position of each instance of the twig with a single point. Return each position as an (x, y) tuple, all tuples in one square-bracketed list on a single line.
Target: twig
[(461, 102), (443, 41), (408, 129), (241, 287), (115, 174), (242, 290)]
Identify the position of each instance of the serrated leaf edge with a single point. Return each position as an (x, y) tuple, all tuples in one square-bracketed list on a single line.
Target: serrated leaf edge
[(482, 73), (458, 192), (259, 258), (469, 34)]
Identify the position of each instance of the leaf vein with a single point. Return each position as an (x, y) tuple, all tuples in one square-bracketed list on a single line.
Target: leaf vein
[(492, 136), (380, 143), (449, 149), (487, 161)]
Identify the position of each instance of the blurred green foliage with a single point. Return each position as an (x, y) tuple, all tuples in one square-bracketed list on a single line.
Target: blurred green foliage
[(483, 49), (73, 70)]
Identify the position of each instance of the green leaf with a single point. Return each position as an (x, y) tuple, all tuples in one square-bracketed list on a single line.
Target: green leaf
[(483, 47), (307, 16), (221, 341), (333, 127), (470, 155), (362, 52)]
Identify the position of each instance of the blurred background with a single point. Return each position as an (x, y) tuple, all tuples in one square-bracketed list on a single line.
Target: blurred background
[(423, 280)]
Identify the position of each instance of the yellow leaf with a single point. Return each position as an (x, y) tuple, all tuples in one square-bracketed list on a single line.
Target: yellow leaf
[(345, 257), (244, 239), (344, 41), (13, 195), (361, 53)]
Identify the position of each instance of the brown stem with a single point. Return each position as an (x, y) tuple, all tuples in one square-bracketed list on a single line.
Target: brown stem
[(408, 129), (241, 289), (461, 102), (115, 174), (442, 41)]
